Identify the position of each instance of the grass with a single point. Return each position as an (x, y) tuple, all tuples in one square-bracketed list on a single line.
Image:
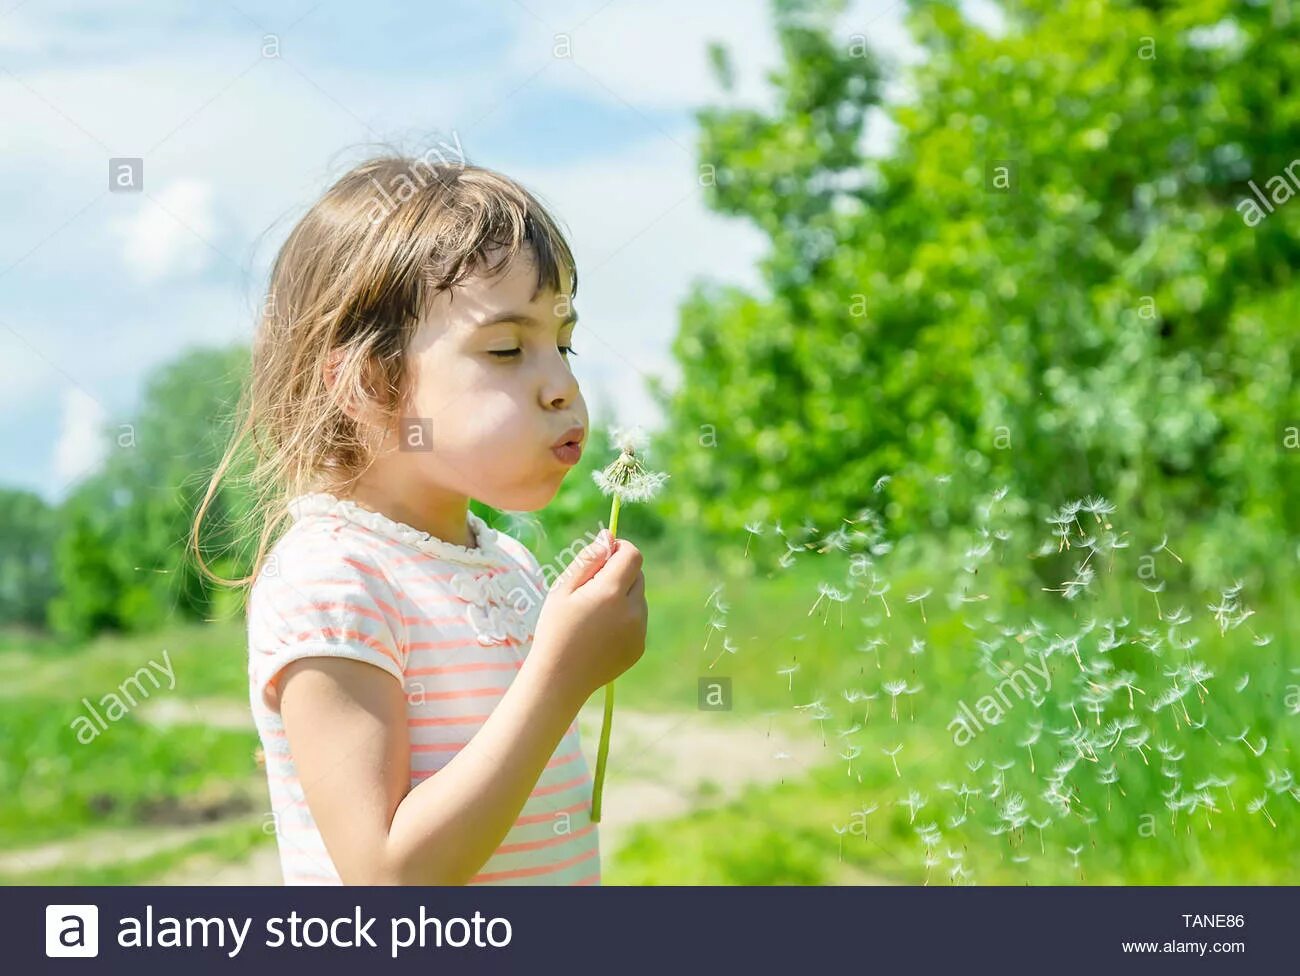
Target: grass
[(1124, 832), (1165, 818)]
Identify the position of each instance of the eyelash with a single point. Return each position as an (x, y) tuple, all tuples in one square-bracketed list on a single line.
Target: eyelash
[(512, 353)]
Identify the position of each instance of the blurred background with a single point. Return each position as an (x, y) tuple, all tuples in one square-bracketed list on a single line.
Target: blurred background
[(967, 333)]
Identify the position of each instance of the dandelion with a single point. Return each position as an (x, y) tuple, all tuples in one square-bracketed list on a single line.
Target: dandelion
[(1257, 805), (873, 645), (727, 648), (931, 861), (717, 623), (1219, 783), (868, 698), (1108, 776), (1138, 741), (1035, 729), (1155, 589), (819, 715), (920, 598), (627, 479), (850, 753), (789, 673), (753, 529), (879, 588), (1164, 540), (879, 486), (911, 708), (893, 689), (1040, 826), (914, 802), (892, 753), (780, 755), (828, 592), (1244, 740)]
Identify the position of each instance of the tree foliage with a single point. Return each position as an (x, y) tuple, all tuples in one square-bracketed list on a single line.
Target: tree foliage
[(1044, 282)]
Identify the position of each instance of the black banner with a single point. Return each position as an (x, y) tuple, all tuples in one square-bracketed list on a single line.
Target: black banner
[(648, 930)]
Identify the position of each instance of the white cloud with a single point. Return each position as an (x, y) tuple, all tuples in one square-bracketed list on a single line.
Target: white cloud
[(172, 233), (80, 448)]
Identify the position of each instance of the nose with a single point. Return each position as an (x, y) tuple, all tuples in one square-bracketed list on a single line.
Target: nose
[(559, 386)]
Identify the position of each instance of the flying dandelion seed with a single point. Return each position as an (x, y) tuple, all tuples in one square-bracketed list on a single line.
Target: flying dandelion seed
[(892, 753), (727, 648), (1155, 590), (789, 673), (840, 832), (752, 529), (1257, 805), (919, 598), (914, 802), (1035, 729), (716, 624), (626, 478), (1164, 546), (850, 753), (893, 689)]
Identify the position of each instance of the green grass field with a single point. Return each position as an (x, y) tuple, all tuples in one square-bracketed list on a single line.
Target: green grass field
[(1026, 800)]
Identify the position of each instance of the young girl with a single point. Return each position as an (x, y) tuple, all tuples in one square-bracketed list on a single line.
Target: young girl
[(415, 695)]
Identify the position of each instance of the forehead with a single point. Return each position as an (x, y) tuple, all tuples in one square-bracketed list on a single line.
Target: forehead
[(514, 287)]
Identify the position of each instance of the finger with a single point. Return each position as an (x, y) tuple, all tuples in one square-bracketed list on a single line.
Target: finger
[(587, 562), (623, 566), (637, 592)]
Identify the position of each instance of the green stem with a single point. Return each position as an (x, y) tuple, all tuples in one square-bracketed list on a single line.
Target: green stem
[(602, 753), (607, 722)]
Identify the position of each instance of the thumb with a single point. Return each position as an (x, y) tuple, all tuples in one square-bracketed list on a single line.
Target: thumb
[(587, 562)]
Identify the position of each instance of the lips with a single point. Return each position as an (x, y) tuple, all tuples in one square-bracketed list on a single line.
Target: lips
[(569, 447)]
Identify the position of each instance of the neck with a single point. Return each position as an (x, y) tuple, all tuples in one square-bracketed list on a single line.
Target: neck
[(443, 514)]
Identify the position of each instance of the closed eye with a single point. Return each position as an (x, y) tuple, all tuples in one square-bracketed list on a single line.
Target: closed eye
[(512, 353)]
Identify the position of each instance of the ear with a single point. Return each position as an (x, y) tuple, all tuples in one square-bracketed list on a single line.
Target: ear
[(362, 413)]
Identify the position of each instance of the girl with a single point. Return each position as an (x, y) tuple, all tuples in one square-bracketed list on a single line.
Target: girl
[(415, 695)]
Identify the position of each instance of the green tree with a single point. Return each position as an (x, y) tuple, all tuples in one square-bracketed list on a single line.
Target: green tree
[(27, 579), (1045, 282), (121, 556)]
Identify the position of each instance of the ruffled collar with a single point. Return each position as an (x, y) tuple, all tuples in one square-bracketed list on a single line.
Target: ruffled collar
[(487, 553)]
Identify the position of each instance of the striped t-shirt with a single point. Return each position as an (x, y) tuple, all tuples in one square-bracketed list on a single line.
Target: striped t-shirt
[(454, 625)]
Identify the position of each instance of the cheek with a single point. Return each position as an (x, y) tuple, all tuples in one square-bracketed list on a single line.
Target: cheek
[(476, 422)]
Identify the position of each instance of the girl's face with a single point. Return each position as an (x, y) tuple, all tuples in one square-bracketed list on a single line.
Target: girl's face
[(492, 391)]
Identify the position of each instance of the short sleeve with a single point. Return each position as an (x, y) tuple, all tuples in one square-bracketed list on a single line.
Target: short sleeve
[(321, 602)]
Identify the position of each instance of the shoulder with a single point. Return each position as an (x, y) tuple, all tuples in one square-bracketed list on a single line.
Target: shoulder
[(321, 559)]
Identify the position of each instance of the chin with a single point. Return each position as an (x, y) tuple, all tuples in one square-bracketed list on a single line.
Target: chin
[(532, 499)]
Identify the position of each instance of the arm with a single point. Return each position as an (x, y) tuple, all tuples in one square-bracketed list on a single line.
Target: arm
[(346, 724)]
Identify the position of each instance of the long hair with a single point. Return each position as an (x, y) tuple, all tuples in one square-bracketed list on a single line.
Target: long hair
[(345, 296)]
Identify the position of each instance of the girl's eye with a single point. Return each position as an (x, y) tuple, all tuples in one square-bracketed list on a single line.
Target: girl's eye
[(512, 353)]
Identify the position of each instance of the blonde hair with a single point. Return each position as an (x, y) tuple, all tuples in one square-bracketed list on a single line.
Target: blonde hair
[(346, 292)]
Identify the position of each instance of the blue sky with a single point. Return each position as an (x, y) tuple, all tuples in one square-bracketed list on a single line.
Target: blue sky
[(97, 289)]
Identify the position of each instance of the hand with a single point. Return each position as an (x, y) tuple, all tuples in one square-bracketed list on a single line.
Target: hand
[(592, 625)]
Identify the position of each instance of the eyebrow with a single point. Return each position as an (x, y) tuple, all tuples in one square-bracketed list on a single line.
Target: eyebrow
[(523, 318)]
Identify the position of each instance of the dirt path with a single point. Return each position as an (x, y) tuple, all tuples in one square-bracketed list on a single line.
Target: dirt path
[(661, 766)]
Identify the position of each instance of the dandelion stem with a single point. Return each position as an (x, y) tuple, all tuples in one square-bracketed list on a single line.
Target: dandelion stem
[(607, 720)]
